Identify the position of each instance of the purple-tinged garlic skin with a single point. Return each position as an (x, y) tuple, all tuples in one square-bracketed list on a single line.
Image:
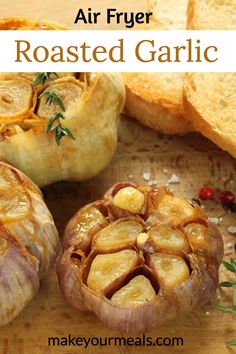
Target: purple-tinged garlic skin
[(178, 250), (29, 241)]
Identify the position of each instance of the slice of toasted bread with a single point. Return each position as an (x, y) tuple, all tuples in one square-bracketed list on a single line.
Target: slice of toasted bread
[(210, 103), (210, 98), (169, 14), (212, 14), (155, 99)]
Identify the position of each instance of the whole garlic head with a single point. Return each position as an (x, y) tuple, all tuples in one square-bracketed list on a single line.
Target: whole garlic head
[(138, 257), (93, 103), (29, 241), (92, 108)]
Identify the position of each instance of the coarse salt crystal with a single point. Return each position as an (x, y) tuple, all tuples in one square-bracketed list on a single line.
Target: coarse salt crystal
[(152, 183), (232, 230), (130, 175), (146, 176), (165, 170), (207, 313), (173, 179), (215, 220)]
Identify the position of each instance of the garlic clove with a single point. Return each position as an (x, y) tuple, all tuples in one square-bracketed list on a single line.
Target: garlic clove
[(196, 234), (8, 179), (106, 268), (130, 199), (16, 100), (15, 205), (71, 91), (119, 234), (165, 237), (83, 225), (138, 291), (174, 210), (171, 270)]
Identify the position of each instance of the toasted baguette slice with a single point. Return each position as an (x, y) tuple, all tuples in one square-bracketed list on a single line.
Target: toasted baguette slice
[(210, 104), (212, 14), (169, 14), (210, 98), (155, 99)]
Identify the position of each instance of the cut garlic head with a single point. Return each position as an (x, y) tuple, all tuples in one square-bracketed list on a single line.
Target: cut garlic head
[(28, 241), (92, 105), (133, 273)]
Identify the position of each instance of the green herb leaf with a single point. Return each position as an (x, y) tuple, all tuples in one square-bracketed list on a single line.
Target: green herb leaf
[(67, 132), (59, 102), (41, 78), (232, 343), (228, 309), (231, 266), (51, 97), (227, 284)]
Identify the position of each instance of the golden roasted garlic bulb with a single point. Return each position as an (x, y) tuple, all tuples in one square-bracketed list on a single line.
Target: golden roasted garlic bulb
[(139, 257), (29, 241), (93, 103)]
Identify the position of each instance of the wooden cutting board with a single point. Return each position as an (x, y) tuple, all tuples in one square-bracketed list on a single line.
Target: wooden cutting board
[(194, 159)]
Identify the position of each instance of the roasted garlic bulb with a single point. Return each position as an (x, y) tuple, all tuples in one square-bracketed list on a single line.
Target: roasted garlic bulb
[(29, 241), (92, 102), (139, 257)]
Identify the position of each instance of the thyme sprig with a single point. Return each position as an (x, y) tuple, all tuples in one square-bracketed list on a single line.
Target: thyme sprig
[(51, 97), (42, 78), (231, 266)]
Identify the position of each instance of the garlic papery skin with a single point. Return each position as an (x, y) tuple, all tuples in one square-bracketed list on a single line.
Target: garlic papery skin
[(92, 109), (29, 241)]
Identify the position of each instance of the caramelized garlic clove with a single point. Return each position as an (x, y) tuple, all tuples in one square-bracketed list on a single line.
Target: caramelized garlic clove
[(171, 270), (165, 237), (69, 89), (174, 210), (106, 268), (195, 234), (137, 292), (130, 199), (8, 179), (141, 240), (16, 99), (120, 234), (14, 205), (83, 225)]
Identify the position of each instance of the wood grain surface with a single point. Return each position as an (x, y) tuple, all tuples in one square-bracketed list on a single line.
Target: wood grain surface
[(194, 159)]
